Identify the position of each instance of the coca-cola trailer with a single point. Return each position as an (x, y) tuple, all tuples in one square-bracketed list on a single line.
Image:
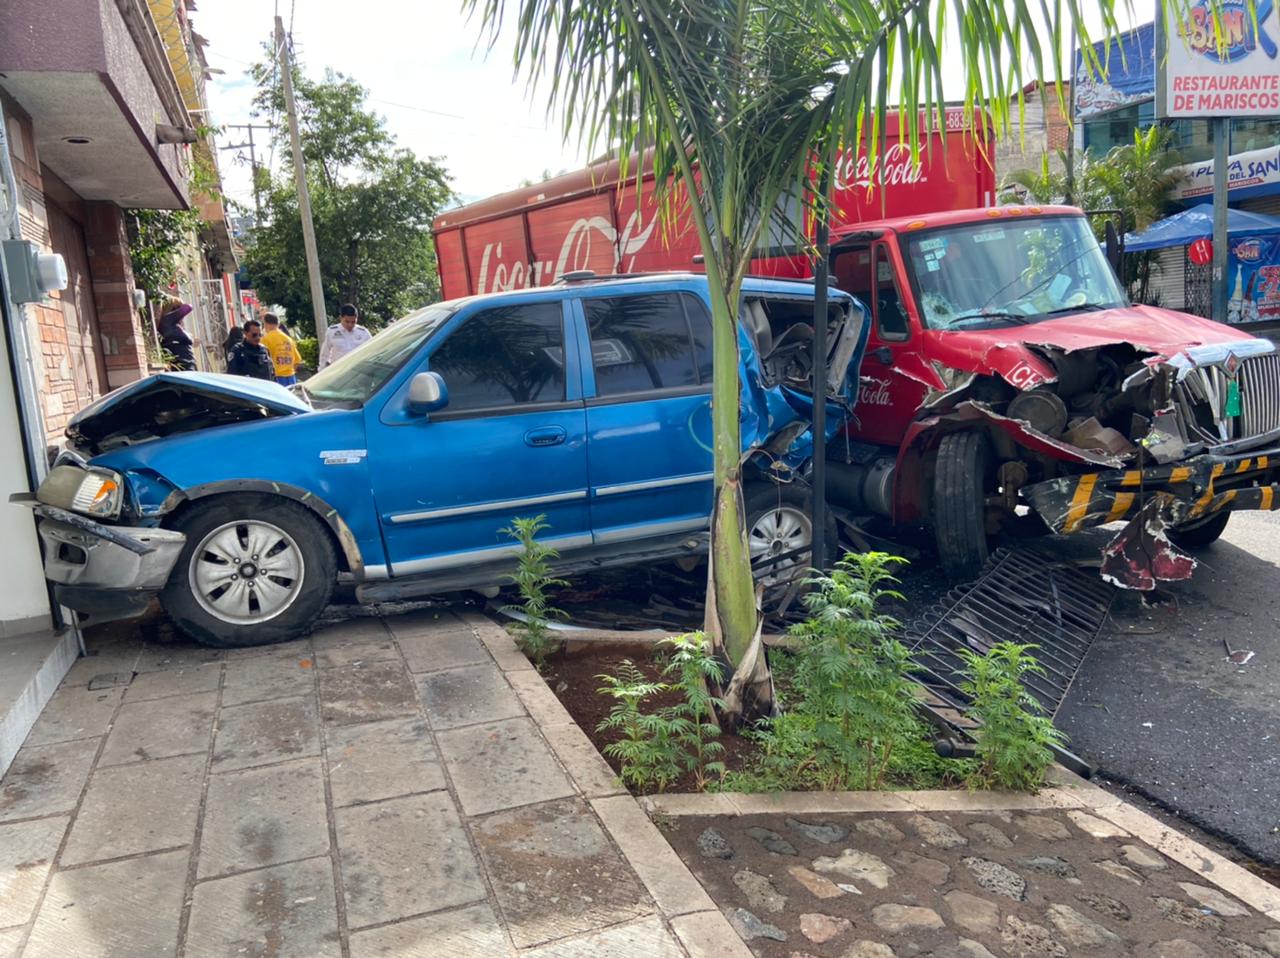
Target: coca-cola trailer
[(586, 220)]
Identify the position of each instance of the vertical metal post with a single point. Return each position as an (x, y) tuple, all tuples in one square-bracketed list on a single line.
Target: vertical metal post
[(1221, 133), (818, 518), (304, 196)]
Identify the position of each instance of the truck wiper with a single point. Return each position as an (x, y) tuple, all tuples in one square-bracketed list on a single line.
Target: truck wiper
[(1082, 308), (1018, 318)]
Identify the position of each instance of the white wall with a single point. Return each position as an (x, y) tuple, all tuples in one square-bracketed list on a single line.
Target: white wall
[(22, 587)]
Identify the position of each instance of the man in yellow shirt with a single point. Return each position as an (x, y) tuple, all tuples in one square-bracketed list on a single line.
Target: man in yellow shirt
[(283, 350)]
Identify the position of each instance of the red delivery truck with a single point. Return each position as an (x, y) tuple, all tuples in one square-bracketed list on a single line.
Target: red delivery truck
[(1007, 383)]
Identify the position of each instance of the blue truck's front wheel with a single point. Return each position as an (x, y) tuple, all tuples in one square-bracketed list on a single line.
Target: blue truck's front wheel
[(255, 569)]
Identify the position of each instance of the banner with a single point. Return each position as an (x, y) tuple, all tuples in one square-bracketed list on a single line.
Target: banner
[(1201, 77), (1128, 73), (1253, 270), (1255, 173)]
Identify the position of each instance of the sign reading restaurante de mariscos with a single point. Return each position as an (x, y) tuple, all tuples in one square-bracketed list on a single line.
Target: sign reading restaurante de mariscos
[(1202, 77)]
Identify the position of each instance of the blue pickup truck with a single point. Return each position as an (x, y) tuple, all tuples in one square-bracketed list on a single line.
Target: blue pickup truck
[(241, 503)]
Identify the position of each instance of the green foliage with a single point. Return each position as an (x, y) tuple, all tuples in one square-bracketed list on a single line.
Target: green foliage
[(533, 579), (156, 242), (372, 205), (656, 747), (1014, 738), (309, 350)]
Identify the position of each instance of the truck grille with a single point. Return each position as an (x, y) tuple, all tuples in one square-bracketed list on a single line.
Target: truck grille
[(1201, 401)]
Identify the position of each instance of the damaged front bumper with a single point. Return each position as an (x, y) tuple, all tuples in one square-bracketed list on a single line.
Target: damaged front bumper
[(105, 572), (1153, 501)]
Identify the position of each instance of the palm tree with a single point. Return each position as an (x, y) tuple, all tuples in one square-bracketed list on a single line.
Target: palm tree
[(743, 104)]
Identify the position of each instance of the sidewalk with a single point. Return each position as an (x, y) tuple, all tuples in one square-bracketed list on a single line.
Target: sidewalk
[(378, 789)]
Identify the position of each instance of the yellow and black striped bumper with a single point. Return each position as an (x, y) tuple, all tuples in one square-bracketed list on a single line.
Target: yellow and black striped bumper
[(1192, 490)]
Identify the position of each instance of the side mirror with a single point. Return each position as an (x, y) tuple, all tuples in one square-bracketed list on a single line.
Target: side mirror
[(427, 393)]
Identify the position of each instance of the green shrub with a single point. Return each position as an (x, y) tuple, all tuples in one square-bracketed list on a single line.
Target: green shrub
[(691, 722), (645, 748), (309, 350), (1015, 736), (533, 579)]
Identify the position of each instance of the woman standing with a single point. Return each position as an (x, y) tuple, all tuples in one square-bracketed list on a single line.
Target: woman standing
[(174, 339)]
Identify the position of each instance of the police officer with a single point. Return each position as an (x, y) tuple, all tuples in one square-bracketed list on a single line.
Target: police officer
[(344, 336)]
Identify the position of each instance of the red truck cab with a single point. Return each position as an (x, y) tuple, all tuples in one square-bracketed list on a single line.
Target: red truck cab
[(1007, 373)]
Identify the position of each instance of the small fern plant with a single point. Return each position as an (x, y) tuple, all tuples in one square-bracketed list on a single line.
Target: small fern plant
[(853, 675), (691, 723), (645, 749), (533, 579), (1015, 736)]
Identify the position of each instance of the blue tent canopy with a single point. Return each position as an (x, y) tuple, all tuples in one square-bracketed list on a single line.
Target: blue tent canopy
[(1196, 223)]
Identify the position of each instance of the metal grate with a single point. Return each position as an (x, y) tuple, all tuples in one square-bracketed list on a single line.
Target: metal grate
[(1260, 395), (1023, 596)]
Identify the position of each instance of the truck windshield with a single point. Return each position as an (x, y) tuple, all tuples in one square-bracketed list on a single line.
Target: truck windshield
[(982, 275), (355, 377)]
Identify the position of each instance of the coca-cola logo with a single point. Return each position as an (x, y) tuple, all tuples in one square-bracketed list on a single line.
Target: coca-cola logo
[(873, 392), (582, 238), (894, 167)]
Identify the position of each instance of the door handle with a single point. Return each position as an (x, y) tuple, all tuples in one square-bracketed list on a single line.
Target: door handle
[(883, 355), (545, 436)]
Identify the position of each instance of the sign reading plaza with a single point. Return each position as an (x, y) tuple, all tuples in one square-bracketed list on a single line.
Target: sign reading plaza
[(1202, 77)]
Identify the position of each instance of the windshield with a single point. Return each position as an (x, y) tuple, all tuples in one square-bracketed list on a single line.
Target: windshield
[(981, 275), (359, 374)]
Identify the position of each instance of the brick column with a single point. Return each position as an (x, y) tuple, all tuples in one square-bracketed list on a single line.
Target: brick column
[(112, 275)]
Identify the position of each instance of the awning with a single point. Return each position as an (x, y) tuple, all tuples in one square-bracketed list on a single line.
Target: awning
[(1196, 223)]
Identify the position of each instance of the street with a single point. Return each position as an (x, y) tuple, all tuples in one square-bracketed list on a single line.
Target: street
[(1158, 707)]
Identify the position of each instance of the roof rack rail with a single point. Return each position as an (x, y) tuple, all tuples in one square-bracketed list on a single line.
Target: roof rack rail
[(591, 276)]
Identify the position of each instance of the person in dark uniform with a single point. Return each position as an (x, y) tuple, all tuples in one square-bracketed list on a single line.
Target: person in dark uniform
[(174, 339), (249, 357)]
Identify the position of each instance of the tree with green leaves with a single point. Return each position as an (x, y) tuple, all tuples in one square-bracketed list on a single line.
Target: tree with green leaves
[(741, 105), (372, 205)]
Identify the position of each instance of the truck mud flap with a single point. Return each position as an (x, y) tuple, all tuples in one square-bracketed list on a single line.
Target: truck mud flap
[(1022, 595)]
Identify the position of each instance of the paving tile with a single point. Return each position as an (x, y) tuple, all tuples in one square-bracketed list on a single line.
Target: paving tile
[(285, 911), (670, 883), (641, 939), (103, 656), (466, 933), (555, 873), (424, 620), (708, 934), (266, 732), (181, 654), (137, 808), (365, 693), (10, 938), (160, 728), (467, 696), (75, 713), (432, 650), (185, 680), (27, 850), (264, 677), (380, 760), (46, 780), (263, 816), (405, 857), (502, 647), (296, 649), (580, 758), (122, 909), (364, 640), (501, 765)]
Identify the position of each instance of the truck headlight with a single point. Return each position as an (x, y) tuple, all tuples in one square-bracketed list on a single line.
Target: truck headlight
[(93, 492)]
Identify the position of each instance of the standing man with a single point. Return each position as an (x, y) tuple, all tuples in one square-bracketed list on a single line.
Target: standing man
[(344, 336), (249, 357), (283, 350)]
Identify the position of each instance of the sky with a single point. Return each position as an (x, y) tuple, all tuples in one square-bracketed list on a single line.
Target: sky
[(441, 91)]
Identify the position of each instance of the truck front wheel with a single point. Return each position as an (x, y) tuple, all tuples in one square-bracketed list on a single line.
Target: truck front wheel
[(961, 481), (255, 569), (1197, 535)]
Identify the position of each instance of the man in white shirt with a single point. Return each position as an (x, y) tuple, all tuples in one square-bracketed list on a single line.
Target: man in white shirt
[(343, 336)]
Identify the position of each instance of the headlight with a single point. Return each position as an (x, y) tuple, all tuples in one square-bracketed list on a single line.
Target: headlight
[(93, 492)]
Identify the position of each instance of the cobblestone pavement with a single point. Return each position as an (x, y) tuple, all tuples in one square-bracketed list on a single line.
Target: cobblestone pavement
[(377, 789), (1046, 884)]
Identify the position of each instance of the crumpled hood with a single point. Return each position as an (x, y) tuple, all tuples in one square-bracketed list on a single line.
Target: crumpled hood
[(1010, 350), (169, 403)]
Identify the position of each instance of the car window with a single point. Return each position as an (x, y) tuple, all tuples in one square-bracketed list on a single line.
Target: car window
[(643, 343), (891, 317), (509, 356)]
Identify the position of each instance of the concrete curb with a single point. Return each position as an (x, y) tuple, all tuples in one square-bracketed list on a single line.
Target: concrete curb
[(702, 930)]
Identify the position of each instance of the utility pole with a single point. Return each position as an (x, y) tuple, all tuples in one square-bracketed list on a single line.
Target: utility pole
[(304, 197), (253, 158), (1221, 156)]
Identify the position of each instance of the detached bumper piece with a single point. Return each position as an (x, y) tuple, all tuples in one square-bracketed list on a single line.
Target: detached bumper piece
[(1153, 501), (105, 572)]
